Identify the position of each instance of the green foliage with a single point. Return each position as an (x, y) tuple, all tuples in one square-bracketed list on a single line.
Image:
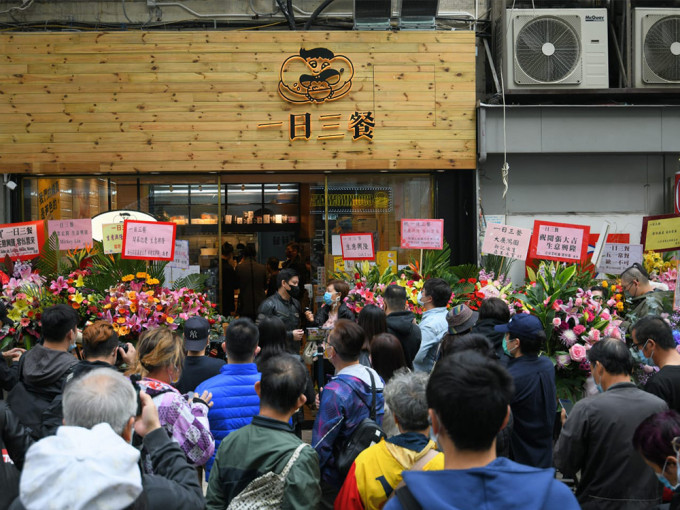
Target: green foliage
[(108, 270), (464, 272), (365, 270), (193, 281), (497, 264), (551, 282), (49, 263)]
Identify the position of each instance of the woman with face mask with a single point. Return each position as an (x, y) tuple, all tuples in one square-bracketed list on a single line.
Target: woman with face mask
[(160, 357), (333, 307), (657, 439)]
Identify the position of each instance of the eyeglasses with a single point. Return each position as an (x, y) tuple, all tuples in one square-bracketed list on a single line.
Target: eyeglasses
[(676, 445), (626, 288), (640, 347)]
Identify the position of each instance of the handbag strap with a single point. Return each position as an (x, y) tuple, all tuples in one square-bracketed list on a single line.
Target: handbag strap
[(292, 460), (373, 397)]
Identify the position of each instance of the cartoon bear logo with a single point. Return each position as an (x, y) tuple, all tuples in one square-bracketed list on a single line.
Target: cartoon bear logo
[(315, 76)]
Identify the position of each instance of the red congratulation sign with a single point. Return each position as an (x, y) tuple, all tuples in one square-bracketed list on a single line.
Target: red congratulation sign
[(559, 241), (357, 246), (22, 241), (148, 240), (422, 234)]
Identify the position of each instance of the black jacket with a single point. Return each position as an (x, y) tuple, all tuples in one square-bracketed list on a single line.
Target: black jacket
[(286, 310), (15, 441), (251, 279), (42, 373), (401, 325), (322, 314), (174, 484), (485, 327)]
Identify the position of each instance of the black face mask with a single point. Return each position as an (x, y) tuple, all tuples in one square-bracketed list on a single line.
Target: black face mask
[(294, 291)]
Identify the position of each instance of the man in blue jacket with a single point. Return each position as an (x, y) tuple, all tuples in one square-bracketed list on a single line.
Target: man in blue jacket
[(468, 397), (534, 405), (235, 401), (434, 297)]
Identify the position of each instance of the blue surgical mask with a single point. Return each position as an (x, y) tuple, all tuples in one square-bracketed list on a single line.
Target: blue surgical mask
[(420, 298), (328, 298), (663, 479), (644, 359), (506, 350)]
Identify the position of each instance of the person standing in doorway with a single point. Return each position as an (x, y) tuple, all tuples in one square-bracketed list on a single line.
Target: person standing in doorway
[(251, 279)]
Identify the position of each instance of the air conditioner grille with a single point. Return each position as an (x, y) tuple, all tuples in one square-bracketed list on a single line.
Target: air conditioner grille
[(547, 49), (662, 48)]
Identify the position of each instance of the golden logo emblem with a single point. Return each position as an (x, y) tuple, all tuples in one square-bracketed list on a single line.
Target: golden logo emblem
[(315, 76)]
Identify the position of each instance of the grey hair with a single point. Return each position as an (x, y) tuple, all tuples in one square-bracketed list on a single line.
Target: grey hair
[(405, 396), (633, 273), (100, 396)]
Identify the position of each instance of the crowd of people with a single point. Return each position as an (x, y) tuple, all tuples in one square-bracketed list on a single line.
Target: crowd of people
[(457, 411)]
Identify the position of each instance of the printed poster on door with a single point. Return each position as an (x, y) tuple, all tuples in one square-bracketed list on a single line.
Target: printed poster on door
[(357, 246)]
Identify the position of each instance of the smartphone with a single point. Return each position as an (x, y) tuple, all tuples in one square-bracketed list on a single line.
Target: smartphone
[(567, 405)]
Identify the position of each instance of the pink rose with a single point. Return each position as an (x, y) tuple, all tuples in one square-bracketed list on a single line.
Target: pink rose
[(579, 329), (577, 352), (605, 316), (557, 322), (594, 335), (578, 302)]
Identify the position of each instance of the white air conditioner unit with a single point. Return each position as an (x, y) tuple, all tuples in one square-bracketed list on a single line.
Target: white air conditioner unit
[(556, 49), (657, 47)]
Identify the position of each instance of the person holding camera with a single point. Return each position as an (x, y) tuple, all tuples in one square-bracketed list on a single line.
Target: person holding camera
[(101, 349), (90, 463), (160, 356)]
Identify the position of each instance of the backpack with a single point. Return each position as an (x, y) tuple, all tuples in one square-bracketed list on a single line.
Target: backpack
[(367, 433), (265, 491)]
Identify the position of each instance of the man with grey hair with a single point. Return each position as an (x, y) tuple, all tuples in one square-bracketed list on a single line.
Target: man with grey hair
[(90, 463), (377, 471), (646, 298)]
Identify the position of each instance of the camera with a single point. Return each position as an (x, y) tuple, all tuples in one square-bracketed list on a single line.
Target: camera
[(119, 360)]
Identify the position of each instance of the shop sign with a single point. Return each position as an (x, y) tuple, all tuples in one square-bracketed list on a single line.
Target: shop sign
[(48, 199), (661, 233), (112, 237), (181, 258), (559, 241), (21, 241), (357, 246), (506, 241), (617, 257), (313, 77), (149, 240), (72, 234), (348, 200), (422, 234)]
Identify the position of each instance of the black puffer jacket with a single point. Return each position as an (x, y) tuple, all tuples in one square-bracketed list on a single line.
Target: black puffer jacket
[(485, 327), (14, 443), (401, 325)]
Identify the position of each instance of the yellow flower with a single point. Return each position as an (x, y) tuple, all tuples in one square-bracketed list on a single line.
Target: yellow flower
[(112, 299), (120, 320), (619, 306), (132, 294), (153, 281), (128, 278), (79, 281), (605, 283), (78, 298), (618, 297), (123, 330), (15, 314), (169, 320), (142, 275), (107, 306)]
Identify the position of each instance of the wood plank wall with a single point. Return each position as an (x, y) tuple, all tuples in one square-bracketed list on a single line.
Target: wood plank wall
[(138, 102)]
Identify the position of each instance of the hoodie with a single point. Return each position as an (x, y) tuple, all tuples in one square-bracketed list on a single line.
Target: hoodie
[(345, 402), (500, 484), (44, 369), (401, 325), (81, 469)]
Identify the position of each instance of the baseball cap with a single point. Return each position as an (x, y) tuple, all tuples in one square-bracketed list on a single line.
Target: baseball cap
[(196, 332), (521, 325), (461, 319)]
